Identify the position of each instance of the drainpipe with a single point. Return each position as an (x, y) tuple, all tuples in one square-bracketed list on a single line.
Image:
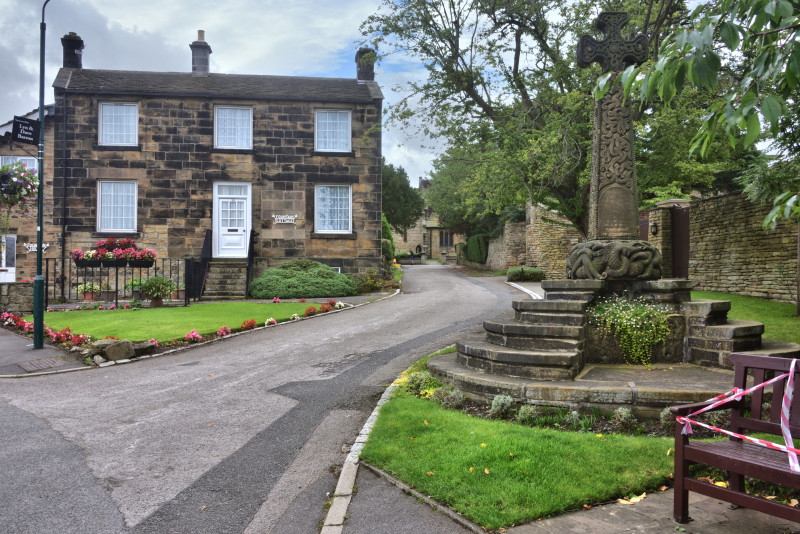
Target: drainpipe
[(63, 190)]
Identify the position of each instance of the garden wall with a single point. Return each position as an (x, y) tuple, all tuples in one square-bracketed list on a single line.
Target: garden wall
[(16, 297), (730, 251), (549, 238)]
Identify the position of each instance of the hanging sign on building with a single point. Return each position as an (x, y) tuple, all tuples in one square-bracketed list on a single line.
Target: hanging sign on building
[(285, 219), (25, 131)]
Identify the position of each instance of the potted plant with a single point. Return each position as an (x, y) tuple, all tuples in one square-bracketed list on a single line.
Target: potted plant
[(179, 293), (107, 294), (158, 288), (84, 258), (87, 290)]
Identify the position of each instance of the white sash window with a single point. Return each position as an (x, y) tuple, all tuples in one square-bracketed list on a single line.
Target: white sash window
[(332, 209), (119, 124), (332, 130), (233, 127), (116, 206)]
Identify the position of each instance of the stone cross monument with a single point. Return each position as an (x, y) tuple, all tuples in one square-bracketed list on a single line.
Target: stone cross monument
[(613, 250), (613, 201)]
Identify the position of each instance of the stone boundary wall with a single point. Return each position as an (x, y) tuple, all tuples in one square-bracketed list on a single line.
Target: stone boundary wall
[(504, 252), (16, 297), (729, 250), (549, 238)]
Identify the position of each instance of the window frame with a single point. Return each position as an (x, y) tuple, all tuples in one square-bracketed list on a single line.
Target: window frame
[(100, 113), (7, 160), (317, 228), (338, 150), (99, 222), (216, 128)]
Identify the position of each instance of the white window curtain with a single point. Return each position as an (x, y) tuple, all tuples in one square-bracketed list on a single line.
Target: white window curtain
[(117, 207), (332, 131), (333, 209), (30, 163), (119, 124), (233, 127)]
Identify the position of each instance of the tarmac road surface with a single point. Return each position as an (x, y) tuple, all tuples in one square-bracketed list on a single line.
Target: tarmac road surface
[(242, 435)]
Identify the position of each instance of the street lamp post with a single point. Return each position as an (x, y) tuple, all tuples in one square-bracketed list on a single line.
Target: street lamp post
[(38, 282)]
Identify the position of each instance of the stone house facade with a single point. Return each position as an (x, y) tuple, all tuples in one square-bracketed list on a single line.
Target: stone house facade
[(289, 164)]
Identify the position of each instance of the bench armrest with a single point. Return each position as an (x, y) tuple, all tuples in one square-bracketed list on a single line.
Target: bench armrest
[(686, 409)]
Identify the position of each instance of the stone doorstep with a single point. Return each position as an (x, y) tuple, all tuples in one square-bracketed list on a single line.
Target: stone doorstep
[(478, 348), (735, 328), (534, 343), (529, 372)]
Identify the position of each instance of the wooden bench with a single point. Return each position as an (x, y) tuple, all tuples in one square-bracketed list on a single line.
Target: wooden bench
[(740, 458)]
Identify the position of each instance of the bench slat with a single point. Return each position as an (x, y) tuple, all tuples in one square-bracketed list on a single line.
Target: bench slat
[(745, 458)]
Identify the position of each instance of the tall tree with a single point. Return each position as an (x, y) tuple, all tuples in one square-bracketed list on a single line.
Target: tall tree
[(500, 79), (402, 204)]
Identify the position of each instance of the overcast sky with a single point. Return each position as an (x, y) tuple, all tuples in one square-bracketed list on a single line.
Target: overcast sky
[(279, 37)]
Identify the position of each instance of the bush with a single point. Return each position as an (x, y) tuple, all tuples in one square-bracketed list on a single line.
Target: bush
[(158, 287), (420, 382), (528, 414), (525, 274), (623, 419), (501, 406), (449, 397), (302, 278), (370, 282), (666, 420), (387, 250), (476, 249)]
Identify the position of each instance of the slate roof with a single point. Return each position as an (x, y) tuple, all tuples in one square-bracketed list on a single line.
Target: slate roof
[(257, 87)]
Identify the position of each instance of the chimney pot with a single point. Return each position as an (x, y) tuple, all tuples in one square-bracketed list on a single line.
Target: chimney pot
[(365, 64), (200, 55), (72, 46)]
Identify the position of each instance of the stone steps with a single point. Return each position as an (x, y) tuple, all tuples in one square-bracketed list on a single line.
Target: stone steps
[(476, 353), (226, 279)]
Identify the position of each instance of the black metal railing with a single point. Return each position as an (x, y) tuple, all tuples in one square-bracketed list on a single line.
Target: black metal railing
[(251, 251), (108, 284), (196, 271)]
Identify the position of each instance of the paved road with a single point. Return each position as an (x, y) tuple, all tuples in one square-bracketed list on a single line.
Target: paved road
[(237, 436)]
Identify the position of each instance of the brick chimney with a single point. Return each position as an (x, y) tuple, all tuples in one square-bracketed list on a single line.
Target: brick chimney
[(200, 55), (365, 65), (72, 45)]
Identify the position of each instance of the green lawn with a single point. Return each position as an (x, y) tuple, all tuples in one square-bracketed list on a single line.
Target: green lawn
[(166, 324), (499, 474), (780, 321)]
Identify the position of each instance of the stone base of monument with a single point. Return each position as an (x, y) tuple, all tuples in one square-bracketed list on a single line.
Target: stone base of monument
[(547, 354)]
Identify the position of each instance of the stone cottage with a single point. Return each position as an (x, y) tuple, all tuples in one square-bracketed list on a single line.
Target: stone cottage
[(286, 167)]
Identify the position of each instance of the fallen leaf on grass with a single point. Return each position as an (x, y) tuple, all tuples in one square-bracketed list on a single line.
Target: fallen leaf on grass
[(669, 451), (483, 445), (409, 437), (486, 470), (587, 506), (426, 422), (598, 435), (429, 473), (662, 488), (471, 469), (511, 454)]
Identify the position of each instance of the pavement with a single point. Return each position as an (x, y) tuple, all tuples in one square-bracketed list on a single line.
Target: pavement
[(368, 501)]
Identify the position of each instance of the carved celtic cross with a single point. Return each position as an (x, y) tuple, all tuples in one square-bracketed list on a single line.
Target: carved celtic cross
[(612, 53)]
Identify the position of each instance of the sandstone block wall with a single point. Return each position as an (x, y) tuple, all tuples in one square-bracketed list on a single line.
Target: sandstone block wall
[(731, 252), (549, 238), (176, 165), (16, 298)]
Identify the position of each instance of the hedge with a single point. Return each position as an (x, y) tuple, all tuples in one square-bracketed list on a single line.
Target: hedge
[(531, 274), (476, 249), (302, 279)]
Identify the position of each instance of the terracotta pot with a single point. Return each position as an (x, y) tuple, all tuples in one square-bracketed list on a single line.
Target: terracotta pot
[(88, 296)]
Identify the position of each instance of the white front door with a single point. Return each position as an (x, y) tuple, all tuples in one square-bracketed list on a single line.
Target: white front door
[(232, 215), (8, 258)]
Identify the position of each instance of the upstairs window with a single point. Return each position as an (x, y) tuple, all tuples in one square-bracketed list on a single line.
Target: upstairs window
[(332, 131), (119, 124), (233, 127), (116, 206), (332, 213)]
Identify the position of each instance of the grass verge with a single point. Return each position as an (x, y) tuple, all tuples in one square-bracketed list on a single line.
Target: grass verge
[(166, 324), (779, 318), (500, 474)]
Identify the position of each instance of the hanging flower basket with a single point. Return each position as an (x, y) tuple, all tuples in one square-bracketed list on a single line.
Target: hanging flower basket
[(87, 263), (141, 263), (17, 186), (115, 262)]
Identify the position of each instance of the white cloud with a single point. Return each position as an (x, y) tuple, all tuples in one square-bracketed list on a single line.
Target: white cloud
[(300, 37)]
